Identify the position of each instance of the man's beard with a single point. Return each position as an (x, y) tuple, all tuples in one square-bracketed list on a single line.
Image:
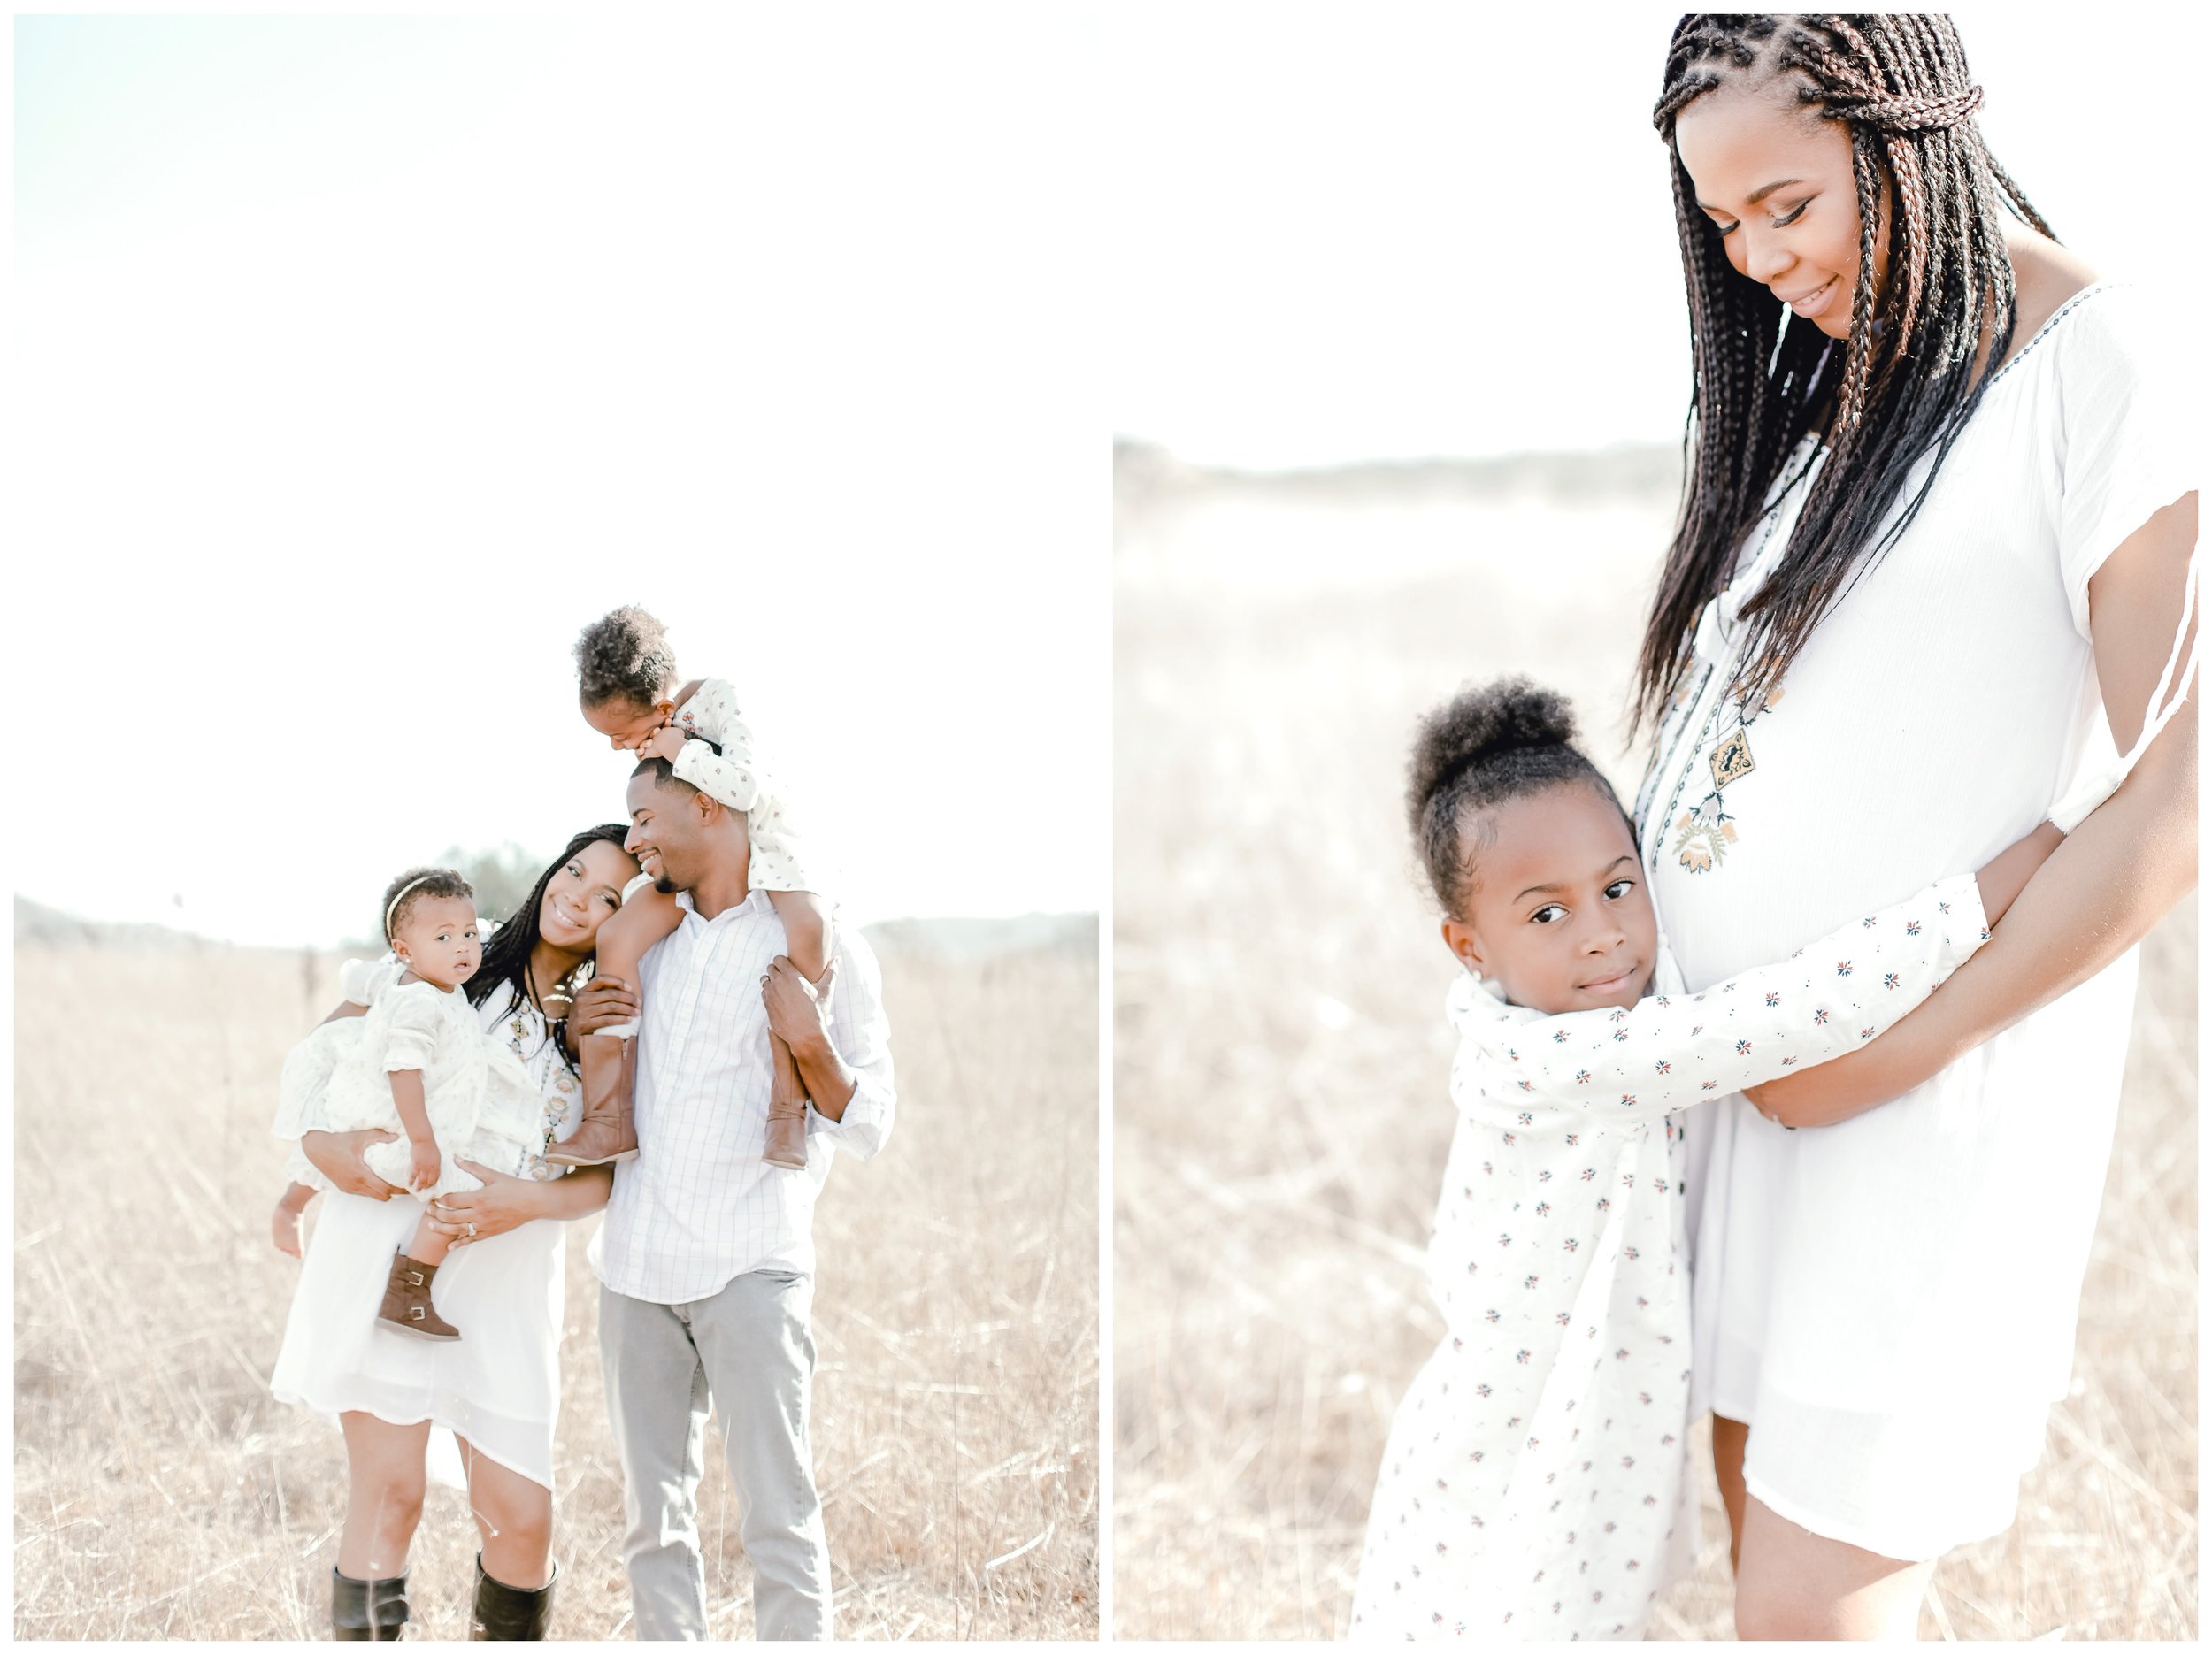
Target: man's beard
[(666, 886)]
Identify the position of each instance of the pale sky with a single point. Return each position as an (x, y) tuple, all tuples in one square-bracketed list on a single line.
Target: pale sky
[(359, 362), (1401, 230)]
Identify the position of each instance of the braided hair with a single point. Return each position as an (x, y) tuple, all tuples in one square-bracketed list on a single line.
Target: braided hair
[(1503, 741), (1920, 351), (507, 955)]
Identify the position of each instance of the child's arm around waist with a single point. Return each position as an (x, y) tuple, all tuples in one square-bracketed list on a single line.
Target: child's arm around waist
[(1631, 1065)]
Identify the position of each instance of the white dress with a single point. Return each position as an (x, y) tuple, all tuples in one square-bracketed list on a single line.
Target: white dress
[(499, 1385), (480, 1103), (782, 858), (1890, 1302), (1534, 1484)]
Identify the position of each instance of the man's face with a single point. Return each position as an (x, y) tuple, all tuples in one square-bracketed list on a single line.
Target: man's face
[(666, 833)]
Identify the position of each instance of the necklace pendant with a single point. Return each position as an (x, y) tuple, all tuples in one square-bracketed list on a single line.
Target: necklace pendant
[(1731, 758)]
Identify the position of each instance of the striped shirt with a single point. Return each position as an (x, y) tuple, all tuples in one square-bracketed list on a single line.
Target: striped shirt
[(699, 1206)]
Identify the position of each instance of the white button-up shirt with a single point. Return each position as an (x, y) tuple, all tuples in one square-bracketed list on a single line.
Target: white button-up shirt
[(698, 1206)]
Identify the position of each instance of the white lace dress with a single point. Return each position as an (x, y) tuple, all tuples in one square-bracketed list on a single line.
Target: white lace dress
[(1533, 1486), (478, 1101), (499, 1385), (782, 858), (1890, 1302)]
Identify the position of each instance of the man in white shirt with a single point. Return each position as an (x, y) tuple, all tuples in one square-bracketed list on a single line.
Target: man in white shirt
[(707, 1255)]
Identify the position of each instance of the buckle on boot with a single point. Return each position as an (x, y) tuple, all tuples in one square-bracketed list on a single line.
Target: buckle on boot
[(414, 1278), (415, 1313)]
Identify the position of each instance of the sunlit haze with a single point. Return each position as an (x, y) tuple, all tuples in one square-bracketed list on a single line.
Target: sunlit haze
[(360, 361), (1402, 231)]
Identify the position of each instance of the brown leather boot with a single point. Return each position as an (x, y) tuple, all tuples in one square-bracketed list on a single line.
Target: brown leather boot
[(786, 1145), (609, 1130), (407, 1300)]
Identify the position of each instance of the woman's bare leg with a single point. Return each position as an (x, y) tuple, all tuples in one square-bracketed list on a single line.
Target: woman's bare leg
[(384, 1485), (1797, 1584), (1729, 1437), (515, 1517)]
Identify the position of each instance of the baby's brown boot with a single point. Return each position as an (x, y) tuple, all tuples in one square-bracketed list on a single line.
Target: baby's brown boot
[(407, 1300)]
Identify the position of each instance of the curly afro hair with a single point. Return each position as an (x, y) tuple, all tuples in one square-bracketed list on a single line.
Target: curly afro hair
[(624, 654), (424, 881), (1497, 742)]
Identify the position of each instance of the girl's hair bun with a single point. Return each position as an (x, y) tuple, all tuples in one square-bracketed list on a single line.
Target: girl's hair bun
[(1480, 724), (1489, 743), (625, 654)]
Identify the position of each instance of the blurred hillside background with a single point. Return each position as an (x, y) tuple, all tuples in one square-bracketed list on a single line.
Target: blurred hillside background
[(1280, 1054)]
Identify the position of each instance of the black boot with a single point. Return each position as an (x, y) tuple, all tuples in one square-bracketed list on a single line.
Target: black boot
[(367, 1609), (507, 1614)]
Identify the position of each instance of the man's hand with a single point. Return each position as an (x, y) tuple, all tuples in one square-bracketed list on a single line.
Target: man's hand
[(337, 1156), (601, 1003), (795, 1005)]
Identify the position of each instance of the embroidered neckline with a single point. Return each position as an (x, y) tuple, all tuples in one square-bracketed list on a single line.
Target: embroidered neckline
[(2072, 302)]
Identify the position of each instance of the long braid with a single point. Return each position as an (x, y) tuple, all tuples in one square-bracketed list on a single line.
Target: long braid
[(1925, 340)]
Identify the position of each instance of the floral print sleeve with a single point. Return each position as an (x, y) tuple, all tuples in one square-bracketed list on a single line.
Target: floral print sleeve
[(1632, 1064), (711, 715)]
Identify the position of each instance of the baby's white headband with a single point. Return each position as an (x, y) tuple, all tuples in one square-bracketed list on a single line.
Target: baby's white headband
[(394, 907)]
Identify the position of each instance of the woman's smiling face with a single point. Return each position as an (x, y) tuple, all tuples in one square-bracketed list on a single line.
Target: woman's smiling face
[(1775, 178), (583, 892)]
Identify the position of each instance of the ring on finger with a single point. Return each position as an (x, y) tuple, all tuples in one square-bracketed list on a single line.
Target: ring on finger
[(472, 1229)]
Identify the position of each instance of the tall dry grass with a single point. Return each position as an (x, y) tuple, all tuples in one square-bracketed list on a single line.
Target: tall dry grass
[(1280, 1059), (160, 1493)]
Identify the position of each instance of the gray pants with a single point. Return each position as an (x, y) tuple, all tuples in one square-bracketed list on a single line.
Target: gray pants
[(749, 1351)]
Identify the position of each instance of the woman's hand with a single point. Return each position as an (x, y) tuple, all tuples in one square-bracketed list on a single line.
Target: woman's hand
[(504, 1202), (337, 1156), (478, 1215)]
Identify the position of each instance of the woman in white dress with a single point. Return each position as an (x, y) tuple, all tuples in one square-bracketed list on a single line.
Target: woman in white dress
[(498, 1390), (1941, 496)]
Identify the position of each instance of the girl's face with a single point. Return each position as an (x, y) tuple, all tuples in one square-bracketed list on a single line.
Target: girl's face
[(1775, 179), (1559, 915), (438, 940), (627, 724), (583, 893)]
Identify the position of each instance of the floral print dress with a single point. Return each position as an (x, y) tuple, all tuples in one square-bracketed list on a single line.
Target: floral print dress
[(1533, 1483), (781, 858)]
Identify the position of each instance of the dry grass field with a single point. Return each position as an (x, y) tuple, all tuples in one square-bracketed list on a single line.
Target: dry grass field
[(160, 1493), (1281, 1058)]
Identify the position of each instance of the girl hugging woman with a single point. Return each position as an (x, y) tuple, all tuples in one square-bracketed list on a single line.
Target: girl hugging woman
[(1533, 1486)]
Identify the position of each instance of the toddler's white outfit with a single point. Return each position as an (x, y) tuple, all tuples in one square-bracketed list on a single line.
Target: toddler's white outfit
[(479, 1103), (782, 860), (1533, 1486)]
